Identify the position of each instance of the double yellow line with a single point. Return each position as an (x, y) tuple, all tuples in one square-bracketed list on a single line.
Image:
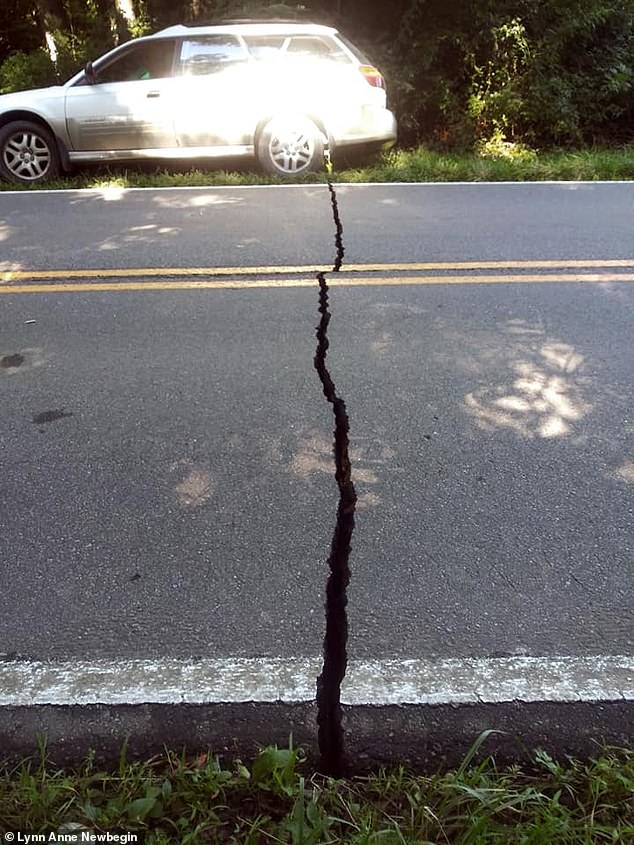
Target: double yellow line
[(297, 276)]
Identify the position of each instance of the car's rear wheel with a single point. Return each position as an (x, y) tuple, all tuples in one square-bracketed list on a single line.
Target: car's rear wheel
[(289, 145), (28, 153)]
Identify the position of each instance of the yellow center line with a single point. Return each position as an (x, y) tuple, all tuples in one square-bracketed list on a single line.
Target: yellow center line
[(458, 266), (370, 281)]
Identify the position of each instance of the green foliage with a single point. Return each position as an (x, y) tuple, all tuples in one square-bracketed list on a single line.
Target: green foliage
[(21, 71), (496, 103), (228, 9), (548, 72), (460, 75), (581, 85), (495, 160), (274, 769), (174, 798), (497, 147), (19, 30), (166, 12), (307, 823)]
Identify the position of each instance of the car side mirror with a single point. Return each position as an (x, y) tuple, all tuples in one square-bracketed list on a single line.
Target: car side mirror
[(91, 76)]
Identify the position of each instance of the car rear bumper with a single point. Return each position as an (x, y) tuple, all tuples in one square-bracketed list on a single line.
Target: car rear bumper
[(375, 126)]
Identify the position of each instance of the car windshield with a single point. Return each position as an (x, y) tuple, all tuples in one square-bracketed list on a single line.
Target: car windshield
[(149, 60)]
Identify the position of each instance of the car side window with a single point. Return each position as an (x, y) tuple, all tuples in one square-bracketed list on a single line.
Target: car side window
[(209, 54), (150, 60)]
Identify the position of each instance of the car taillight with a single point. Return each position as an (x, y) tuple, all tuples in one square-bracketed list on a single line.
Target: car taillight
[(372, 76)]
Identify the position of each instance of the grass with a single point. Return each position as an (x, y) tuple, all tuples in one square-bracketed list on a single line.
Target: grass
[(493, 162), (177, 799)]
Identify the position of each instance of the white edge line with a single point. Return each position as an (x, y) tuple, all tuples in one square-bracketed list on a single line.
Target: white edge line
[(491, 680), (269, 680), (310, 185), (166, 681)]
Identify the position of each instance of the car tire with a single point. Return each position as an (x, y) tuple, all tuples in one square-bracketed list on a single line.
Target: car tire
[(290, 145), (28, 153)]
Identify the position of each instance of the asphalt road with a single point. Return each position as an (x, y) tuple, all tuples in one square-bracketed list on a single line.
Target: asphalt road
[(291, 225), (167, 481)]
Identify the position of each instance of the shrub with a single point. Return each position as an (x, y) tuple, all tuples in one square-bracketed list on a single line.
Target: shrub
[(553, 72), (26, 70)]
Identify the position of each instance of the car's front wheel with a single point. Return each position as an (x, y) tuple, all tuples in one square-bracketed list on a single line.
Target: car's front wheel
[(289, 145), (28, 153)]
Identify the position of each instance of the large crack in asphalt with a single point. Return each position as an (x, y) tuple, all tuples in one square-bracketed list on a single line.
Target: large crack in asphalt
[(329, 715)]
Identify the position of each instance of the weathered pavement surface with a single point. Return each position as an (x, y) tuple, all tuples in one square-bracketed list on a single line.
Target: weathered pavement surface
[(167, 492)]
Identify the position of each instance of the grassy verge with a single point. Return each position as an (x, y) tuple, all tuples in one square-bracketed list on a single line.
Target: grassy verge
[(493, 163), (174, 799)]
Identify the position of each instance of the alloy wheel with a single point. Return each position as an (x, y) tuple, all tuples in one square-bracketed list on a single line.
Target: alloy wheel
[(26, 156), (292, 147)]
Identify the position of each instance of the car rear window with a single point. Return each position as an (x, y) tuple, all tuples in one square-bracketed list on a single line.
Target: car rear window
[(207, 54), (358, 54), (321, 47), (265, 46)]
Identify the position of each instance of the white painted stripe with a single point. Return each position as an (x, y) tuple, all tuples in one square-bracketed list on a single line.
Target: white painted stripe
[(309, 185), (166, 681), (491, 680), (267, 680)]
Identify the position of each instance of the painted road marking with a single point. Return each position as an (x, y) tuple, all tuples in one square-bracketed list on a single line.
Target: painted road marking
[(416, 266), (351, 281), (386, 682)]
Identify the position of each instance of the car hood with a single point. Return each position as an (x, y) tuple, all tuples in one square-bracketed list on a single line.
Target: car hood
[(33, 98)]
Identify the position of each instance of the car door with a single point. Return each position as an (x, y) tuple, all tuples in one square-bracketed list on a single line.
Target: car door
[(129, 106), (217, 100)]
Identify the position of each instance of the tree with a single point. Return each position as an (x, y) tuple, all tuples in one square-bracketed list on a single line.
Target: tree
[(19, 27)]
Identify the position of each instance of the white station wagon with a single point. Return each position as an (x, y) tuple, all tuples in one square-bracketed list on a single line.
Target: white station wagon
[(278, 92)]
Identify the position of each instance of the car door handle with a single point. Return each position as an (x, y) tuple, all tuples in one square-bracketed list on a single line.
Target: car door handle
[(154, 94)]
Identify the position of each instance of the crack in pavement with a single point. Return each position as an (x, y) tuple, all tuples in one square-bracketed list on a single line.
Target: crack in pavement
[(330, 730)]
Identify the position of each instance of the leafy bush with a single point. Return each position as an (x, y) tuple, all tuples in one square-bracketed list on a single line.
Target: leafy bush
[(21, 71), (553, 72), (26, 70), (497, 147), (581, 87)]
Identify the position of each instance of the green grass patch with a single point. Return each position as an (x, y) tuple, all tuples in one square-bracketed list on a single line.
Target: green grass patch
[(177, 799), (495, 161)]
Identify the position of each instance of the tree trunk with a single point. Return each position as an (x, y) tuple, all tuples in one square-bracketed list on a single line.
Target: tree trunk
[(126, 16), (195, 10), (52, 15), (120, 15), (52, 18)]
